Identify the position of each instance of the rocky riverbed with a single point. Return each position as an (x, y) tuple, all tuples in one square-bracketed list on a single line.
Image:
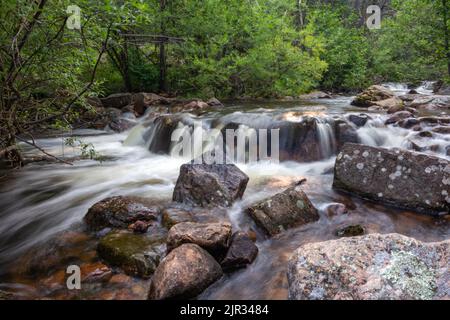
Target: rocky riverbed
[(357, 208)]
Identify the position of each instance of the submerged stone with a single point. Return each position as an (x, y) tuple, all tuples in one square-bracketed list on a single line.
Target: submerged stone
[(351, 231), (136, 254)]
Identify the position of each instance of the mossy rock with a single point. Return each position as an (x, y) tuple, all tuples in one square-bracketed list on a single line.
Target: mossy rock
[(136, 254), (351, 231)]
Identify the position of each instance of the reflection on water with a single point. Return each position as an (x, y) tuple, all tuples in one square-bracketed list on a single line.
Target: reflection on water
[(43, 200)]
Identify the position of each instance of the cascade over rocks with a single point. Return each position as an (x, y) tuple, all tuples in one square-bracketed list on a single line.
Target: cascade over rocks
[(371, 267), (210, 185), (394, 177), (184, 273), (307, 140), (288, 209), (161, 132)]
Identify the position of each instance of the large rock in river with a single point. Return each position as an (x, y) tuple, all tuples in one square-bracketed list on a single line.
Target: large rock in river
[(213, 237), (184, 273), (119, 212), (210, 185), (377, 267), (136, 254), (288, 209), (396, 177), (372, 96)]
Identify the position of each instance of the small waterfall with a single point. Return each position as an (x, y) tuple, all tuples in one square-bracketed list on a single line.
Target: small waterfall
[(426, 87), (397, 88), (303, 138), (136, 136), (375, 133), (327, 141)]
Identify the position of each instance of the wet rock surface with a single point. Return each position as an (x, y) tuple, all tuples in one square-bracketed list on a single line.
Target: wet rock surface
[(162, 129), (398, 116), (358, 120), (184, 273), (137, 255), (210, 185), (173, 216), (177, 212), (371, 267), (430, 103), (336, 209), (242, 252), (394, 177), (288, 209), (213, 237), (119, 212)]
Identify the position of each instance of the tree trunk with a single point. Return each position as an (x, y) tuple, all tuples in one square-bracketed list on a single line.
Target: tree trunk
[(300, 22), (162, 52), (12, 154), (126, 69)]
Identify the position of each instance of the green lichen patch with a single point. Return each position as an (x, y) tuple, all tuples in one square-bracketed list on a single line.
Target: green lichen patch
[(409, 273)]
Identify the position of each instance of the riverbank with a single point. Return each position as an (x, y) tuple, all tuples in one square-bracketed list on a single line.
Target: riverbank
[(42, 229)]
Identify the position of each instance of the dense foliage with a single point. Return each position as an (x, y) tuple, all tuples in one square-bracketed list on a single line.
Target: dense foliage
[(254, 48)]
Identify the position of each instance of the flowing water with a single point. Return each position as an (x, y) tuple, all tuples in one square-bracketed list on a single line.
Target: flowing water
[(43, 204)]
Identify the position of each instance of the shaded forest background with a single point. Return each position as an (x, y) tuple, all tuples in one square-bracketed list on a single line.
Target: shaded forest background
[(221, 48)]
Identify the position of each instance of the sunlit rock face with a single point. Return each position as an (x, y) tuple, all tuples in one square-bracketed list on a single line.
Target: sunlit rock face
[(374, 95), (372, 267), (396, 177)]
